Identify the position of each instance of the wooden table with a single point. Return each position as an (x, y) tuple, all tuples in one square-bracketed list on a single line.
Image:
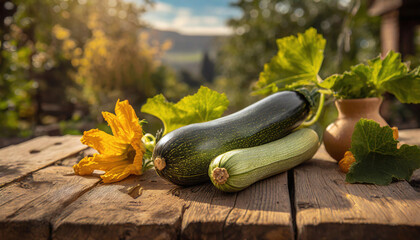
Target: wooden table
[(41, 198)]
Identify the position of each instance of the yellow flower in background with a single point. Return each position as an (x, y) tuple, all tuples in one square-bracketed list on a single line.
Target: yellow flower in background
[(60, 32), (69, 44), (120, 154)]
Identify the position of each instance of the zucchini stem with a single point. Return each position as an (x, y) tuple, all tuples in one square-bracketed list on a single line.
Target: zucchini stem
[(159, 163), (220, 175), (318, 113)]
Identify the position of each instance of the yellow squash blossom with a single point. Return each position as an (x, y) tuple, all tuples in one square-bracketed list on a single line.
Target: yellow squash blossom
[(120, 154)]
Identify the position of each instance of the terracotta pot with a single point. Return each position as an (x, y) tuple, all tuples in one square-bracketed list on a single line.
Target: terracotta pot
[(337, 136)]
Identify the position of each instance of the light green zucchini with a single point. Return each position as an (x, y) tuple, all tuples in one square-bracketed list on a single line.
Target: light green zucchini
[(237, 169)]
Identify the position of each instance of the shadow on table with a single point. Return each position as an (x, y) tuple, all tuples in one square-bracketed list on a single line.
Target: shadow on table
[(317, 184), (270, 194), (320, 184)]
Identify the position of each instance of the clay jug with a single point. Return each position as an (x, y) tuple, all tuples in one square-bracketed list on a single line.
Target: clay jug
[(337, 136)]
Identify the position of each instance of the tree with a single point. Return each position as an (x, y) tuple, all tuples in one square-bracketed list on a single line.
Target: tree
[(70, 52), (207, 68), (351, 34)]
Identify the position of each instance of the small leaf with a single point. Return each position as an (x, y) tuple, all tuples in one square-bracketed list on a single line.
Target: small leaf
[(298, 60), (387, 69), (203, 106), (166, 111), (347, 86), (378, 160), (405, 88)]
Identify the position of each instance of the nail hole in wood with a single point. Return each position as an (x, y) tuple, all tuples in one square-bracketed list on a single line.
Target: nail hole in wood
[(135, 191), (34, 151), (57, 143)]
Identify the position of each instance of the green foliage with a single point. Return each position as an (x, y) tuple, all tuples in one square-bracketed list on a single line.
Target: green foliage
[(297, 62), (406, 88), (376, 78), (351, 34), (349, 85), (17, 85), (166, 81), (68, 129), (85, 54), (378, 159), (203, 106), (116, 59)]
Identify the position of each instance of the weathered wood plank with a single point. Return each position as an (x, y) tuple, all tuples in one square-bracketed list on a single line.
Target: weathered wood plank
[(140, 207), (329, 208), (19, 160), (261, 211), (411, 136), (206, 212), (27, 206)]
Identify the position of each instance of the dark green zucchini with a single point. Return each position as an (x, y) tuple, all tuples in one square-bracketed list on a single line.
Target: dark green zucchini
[(183, 155)]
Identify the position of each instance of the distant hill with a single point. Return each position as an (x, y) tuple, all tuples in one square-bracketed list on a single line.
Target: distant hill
[(187, 51), (185, 43)]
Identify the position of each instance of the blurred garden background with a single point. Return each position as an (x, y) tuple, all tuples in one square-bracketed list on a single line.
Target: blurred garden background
[(63, 62)]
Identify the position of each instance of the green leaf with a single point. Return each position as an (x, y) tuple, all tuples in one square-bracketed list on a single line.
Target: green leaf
[(387, 69), (350, 85), (166, 111), (405, 88), (267, 90), (375, 78), (298, 60), (203, 106), (329, 82), (391, 75), (378, 160)]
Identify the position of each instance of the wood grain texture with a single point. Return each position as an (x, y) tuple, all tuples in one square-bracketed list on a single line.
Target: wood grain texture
[(261, 211), (329, 208), (140, 207), (19, 160), (411, 136), (39, 202), (27, 206), (206, 212)]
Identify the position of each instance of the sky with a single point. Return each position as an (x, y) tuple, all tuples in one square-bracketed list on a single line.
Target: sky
[(192, 17)]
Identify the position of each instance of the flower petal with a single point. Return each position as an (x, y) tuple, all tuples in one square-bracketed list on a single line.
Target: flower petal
[(113, 122), (138, 159), (99, 162), (128, 121), (116, 174), (103, 142)]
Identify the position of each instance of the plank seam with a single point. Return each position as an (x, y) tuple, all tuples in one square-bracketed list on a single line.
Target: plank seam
[(291, 188), (185, 206), (227, 216), (50, 231)]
